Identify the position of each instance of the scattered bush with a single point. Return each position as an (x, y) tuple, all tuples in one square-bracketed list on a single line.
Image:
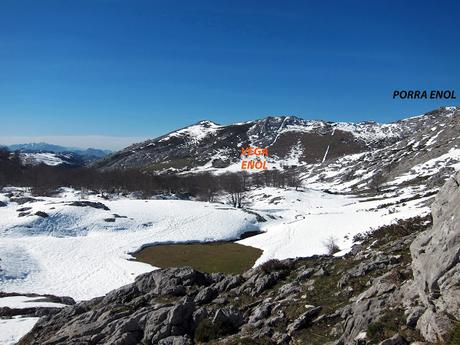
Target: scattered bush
[(454, 337), (207, 331), (273, 265), (374, 329)]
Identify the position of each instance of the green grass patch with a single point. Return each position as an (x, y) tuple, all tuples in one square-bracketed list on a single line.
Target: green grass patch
[(387, 326), (223, 257), (454, 337)]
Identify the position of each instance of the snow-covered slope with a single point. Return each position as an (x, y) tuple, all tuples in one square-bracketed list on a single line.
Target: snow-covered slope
[(299, 223), (425, 158), (12, 329), (48, 158)]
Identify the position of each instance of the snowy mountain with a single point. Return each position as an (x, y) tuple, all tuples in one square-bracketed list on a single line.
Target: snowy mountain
[(44, 147), (345, 155), (209, 144), (49, 154), (424, 156), (38, 147)]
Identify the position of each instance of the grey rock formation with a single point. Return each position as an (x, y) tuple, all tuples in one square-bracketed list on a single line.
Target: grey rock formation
[(228, 316), (394, 340), (436, 263), (206, 295), (303, 320)]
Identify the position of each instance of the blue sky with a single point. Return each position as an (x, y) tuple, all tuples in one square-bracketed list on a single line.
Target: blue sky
[(119, 69)]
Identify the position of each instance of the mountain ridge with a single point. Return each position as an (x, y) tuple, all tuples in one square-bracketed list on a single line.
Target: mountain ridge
[(200, 144)]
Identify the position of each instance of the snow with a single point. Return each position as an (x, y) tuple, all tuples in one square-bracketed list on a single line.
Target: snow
[(11, 330), (195, 132), (305, 220), (75, 252), (21, 302), (325, 154), (430, 167), (432, 140), (47, 158)]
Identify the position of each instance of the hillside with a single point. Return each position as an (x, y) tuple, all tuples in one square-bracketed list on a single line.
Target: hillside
[(291, 142)]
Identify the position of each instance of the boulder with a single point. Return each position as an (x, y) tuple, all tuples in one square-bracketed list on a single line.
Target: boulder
[(259, 313), (394, 340), (229, 283), (176, 340), (206, 295), (414, 315), (303, 320), (172, 281), (228, 317), (305, 274), (98, 205), (220, 163)]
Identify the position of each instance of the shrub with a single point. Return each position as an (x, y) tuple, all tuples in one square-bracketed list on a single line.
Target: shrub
[(375, 329), (331, 245), (273, 265), (206, 331), (454, 337)]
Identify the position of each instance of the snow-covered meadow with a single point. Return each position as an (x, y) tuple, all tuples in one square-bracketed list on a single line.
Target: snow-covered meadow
[(84, 251)]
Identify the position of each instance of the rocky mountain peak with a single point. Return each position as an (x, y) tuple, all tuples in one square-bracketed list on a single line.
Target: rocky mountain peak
[(313, 146)]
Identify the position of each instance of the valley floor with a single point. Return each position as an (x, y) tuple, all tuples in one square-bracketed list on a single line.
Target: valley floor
[(84, 251), (79, 246)]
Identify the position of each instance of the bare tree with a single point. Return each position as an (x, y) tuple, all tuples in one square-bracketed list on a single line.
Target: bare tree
[(331, 245), (293, 178), (233, 184)]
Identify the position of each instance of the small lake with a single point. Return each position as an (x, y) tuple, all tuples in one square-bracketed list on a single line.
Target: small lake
[(225, 257)]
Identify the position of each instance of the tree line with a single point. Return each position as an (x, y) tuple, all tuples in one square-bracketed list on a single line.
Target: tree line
[(44, 180)]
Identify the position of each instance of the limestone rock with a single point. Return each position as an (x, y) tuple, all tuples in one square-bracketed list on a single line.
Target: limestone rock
[(436, 263)]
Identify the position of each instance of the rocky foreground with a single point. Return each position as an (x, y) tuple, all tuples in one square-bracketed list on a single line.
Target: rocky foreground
[(399, 285)]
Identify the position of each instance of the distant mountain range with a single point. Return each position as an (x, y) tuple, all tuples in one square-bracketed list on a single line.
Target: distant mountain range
[(36, 153), (44, 147)]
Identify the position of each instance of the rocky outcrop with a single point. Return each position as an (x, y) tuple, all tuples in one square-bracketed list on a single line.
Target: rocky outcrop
[(36, 311), (97, 205), (429, 301), (436, 264)]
